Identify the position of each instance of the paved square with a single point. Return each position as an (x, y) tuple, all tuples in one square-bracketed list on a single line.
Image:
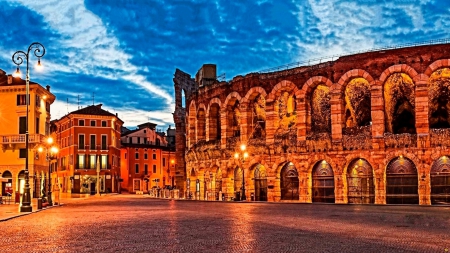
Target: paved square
[(136, 223)]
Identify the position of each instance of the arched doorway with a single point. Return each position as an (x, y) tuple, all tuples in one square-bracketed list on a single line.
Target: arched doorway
[(238, 183), (323, 182), (440, 181), (6, 183), (401, 182), (361, 189), (289, 182), (260, 183), (218, 183)]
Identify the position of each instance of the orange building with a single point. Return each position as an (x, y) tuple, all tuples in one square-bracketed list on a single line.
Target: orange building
[(89, 141), (12, 135), (147, 159)]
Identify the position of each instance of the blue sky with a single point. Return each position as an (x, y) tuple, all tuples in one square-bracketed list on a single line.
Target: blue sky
[(125, 52)]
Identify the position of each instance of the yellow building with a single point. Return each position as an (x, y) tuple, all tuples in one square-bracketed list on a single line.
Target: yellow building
[(12, 135)]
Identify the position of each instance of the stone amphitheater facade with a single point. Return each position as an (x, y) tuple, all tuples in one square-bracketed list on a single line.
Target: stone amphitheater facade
[(365, 128)]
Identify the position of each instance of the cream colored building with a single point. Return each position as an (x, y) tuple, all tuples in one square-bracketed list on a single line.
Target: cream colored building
[(12, 135)]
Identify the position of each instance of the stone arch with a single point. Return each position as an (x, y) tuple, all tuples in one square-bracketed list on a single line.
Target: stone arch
[(255, 99), (213, 116), (317, 104), (283, 86), (232, 115), (439, 98), (360, 181), (399, 68), (201, 123), (289, 182), (399, 103), (440, 181), (192, 121), (402, 181), (259, 175), (437, 65), (323, 182), (354, 89)]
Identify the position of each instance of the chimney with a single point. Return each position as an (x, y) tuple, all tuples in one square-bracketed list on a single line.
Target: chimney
[(10, 79), (48, 88), (99, 106)]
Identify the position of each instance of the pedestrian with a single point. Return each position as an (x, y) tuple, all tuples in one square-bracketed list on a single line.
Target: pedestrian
[(56, 189)]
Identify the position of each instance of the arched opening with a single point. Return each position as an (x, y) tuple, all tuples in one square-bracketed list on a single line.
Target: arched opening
[(361, 189), (214, 122), (289, 182), (201, 125), (7, 184), (399, 105), (257, 118), (357, 103), (192, 126), (401, 182), (439, 98), (238, 183), (183, 98), (218, 183), (323, 182), (233, 119), (260, 183), (321, 110), (440, 181)]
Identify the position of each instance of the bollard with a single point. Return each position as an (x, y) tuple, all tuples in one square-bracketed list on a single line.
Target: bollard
[(39, 203)]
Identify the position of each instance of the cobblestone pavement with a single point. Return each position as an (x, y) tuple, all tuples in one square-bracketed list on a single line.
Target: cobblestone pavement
[(136, 223)]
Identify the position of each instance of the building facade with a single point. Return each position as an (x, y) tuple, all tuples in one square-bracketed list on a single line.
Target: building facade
[(89, 141), (147, 160), (12, 135), (366, 128)]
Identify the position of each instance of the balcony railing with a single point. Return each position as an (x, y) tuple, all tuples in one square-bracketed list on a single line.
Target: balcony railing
[(404, 140), (440, 137), (355, 138), (20, 138)]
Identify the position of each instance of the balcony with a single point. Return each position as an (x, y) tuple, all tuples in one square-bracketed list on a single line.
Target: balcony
[(440, 137), (357, 138), (20, 138), (404, 140)]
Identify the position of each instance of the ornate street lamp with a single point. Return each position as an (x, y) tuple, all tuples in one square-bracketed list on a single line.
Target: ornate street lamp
[(18, 58), (51, 151), (242, 156)]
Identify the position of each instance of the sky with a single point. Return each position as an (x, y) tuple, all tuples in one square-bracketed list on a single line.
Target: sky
[(123, 53)]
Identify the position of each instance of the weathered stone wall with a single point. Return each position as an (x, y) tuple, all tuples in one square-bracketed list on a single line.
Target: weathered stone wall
[(300, 136)]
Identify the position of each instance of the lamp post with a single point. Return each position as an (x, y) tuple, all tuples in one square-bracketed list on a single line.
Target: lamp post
[(18, 58), (242, 156), (50, 152)]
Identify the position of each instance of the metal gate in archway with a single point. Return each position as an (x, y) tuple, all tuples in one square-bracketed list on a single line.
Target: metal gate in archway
[(260, 183), (440, 182), (401, 182), (289, 182), (361, 189), (323, 183)]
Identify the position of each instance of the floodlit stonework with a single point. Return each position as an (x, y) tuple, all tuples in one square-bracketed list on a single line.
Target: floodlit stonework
[(366, 128)]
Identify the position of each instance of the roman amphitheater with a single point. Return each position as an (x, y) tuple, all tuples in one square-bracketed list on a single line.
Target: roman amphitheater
[(372, 127)]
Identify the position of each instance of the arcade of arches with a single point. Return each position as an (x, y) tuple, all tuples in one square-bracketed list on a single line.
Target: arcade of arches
[(376, 132)]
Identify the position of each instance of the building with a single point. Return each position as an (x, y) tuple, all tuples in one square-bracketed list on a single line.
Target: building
[(12, 135), (147, 159), (89, 141), (372, 127)]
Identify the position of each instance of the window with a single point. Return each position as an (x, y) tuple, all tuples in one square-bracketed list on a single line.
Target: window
[(92, 143), (145, 156), (81, 122), (104, 146), (103, 123), (136, 155), (92, 122), (154, 156), (136, 168), (81, 159), (81, 141), (145, 169), (21, 99), (125, 155), (22, 153), (158, 142), (47, 106), (104, 162), (154, 168), (38, 100), (138, 140), (92, 161), (37, 125), (164, 161), (22, 125)]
